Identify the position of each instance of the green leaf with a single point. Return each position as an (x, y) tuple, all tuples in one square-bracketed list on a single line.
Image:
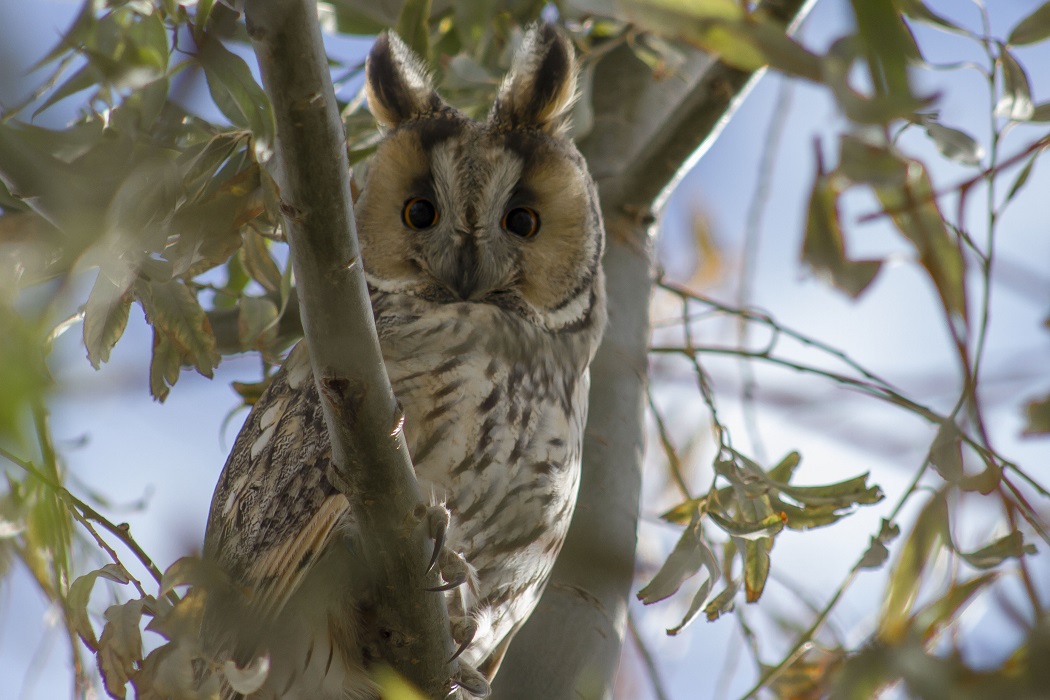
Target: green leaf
[(193, 571), (809, 516), (45, 183), (210, 228), (881, 108), (862, 161), (887, 46), (946, 452), (202, 16), (1038, 412), (1011, 546), (823, 248), (928, 535), (1033, 28), (259, 263), (693, 9), (24, 377), (198, 164), (238, 96), (80, 33), (79, 596), (696, 604), (105, 317), (413, 26), (875, 556), (756, 567), (877, 552), (840, 494), (684, 512), (173, 309), (361, 18), (1016, 101), (747, 530), (1041, 113), (120, 646), (785, 468), (955, 144), (917, 10), (986, 481), (182, 620), (722, 27), (913, 208), (85, 77), (165, 364), (140, 213), (779, 50), (256, 322), (722, 602), (937, 615), (690, 553), (1022, 177)]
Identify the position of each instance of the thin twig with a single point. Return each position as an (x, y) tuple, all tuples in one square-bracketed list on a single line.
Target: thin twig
[(965, 184), (752, 236), (673, 462), (83, 513), (651, 672)]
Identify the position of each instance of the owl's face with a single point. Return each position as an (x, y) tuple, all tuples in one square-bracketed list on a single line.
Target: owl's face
[(502, 212)]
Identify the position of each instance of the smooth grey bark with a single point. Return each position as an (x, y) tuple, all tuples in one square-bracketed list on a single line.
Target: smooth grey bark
[(372, 466), (645, 134)]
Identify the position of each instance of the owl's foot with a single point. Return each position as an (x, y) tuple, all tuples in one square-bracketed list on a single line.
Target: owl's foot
[(469, 679), (454, 569), (463, 631), (436, 520)]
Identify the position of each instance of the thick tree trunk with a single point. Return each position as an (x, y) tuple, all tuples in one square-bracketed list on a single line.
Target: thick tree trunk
[(645, 134)]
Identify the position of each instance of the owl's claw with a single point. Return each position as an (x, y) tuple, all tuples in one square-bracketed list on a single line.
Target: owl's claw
[(437, 519), (469, 679), (463, 631), (454, 570)]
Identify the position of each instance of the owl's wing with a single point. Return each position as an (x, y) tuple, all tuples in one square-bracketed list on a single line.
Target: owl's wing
[(274, 508)]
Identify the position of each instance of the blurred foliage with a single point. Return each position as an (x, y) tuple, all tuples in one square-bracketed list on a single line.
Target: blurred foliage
[(151, 199)]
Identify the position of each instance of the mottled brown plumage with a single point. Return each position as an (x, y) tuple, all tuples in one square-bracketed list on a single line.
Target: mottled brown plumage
[(482, 246)]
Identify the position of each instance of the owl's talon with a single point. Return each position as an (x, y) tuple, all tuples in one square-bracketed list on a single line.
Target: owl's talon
[(469, 679), (437, 520), (454, 569), (443, 587), (463, 631)]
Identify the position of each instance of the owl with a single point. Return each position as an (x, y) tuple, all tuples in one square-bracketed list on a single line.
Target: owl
[(481, 244)]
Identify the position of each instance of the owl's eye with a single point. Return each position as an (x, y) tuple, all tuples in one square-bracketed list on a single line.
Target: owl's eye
[(521, 221), (419, 213)]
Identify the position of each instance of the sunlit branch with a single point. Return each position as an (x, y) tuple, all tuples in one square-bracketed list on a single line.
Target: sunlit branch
[(371, 465), (673, 462), (85, 515)]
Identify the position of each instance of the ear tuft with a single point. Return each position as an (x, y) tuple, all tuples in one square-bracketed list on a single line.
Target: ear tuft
[(398, 83), (541, 86)]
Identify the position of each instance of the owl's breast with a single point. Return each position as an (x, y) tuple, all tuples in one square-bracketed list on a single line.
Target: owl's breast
[(485, 424), (494, 416)]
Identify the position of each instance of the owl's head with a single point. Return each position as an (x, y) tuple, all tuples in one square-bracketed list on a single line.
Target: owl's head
[(499, 212)]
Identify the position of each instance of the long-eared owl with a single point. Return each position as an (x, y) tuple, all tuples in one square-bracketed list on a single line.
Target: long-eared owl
[(481, 243)]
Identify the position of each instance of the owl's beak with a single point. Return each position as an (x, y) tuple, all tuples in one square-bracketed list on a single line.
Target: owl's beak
[(466, 281)]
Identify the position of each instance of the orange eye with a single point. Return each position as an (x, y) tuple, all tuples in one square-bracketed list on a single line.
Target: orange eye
[(522, 222), (419, 213)]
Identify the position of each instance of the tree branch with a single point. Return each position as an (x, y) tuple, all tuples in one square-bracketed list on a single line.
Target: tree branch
[(372, 464), (645, 134)]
